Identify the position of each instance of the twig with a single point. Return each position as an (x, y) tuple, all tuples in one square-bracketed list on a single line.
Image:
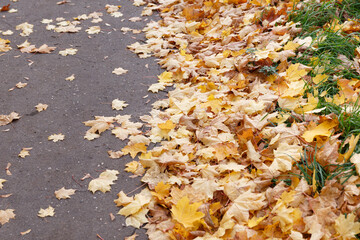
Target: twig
[(76, 181), (99, 236), (136, 188)]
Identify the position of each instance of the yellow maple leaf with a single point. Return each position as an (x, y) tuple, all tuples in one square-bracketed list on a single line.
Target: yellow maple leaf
[(213, 103), (320, 78), (166, 77), (131, 166), (64, 193), (291, 46), (254, 221), (186, 213), (323, 129), (346, 227), (162, 190), (48, 212), (134, 149), (168, 125), (6, 215), (293, 73), (103, 182)]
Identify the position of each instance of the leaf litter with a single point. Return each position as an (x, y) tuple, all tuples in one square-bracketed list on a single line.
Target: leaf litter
[(242, 151)]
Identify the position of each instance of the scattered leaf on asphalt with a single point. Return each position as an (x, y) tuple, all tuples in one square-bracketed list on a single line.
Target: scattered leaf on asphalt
[(6, 215), (63, 193), (70, 78), (68, 51), (24, 152), (48, 212), (56, 137), (1, 183), (6, 119), (25, 232), (118, 104), (41, 107), (119, 71), (93, 30)]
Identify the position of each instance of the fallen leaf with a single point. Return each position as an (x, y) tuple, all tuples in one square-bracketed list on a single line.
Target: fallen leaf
[(347, 227), (6, 215), (93, 30), (134, 149), (21, 85), (6, 119), (104, 181), (118, 104), (119, 71), (1, 183), (5, 8), (63, 193), (68, 51), (48, 212), (24, 152), (70, 78), (25, 232), (186, 213), (41, 107), (56, 137), (323, 129)]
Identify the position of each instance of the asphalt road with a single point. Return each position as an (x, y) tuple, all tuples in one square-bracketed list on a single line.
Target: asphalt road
[(50, 165)]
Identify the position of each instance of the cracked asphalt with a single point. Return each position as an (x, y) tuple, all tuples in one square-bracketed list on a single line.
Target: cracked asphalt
[(50, 165)]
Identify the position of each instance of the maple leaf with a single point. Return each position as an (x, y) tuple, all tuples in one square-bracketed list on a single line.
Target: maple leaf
[(68, 51), (132, 166), (1, 183), (6, 215), (93, 30), (56, 137), (134, 149), (293, 73), (21, 85), (63, 193), (119, 71), (347, 227), (323, 129), (168, 125), (118, 104), (5, 8), (156, 87), (104, 181), (24, 152), (48, 212), (6, 119), (162, 190), (140, 200), (41, 107), (4, 45), (166, 77), (100, 124), (123, 199), (26, 29), (285, 155), (186, 213)]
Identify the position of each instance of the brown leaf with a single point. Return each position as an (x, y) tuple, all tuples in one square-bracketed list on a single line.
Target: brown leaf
[(5, 8)]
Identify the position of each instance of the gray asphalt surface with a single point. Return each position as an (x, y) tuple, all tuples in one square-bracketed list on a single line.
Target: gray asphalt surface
[(50, 165)]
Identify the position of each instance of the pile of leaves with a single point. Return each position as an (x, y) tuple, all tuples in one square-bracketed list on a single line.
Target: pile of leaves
[(258, 139)]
